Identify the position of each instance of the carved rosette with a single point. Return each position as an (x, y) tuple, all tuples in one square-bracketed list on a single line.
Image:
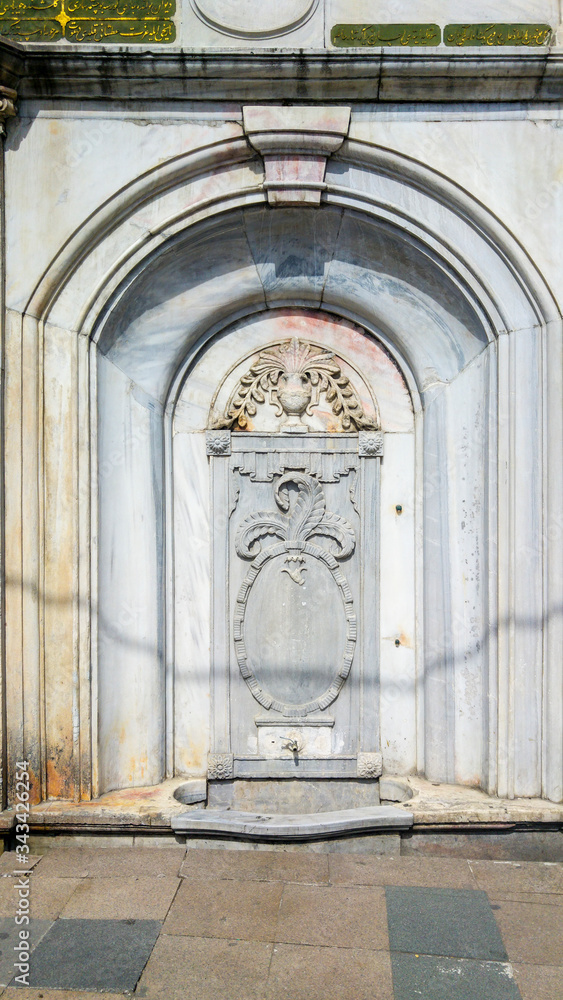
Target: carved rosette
[(8, 99), (220, 766), (369, 765), (218, 442), (293, 375), (370, 444)]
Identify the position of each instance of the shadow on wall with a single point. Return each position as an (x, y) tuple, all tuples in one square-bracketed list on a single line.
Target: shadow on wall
[(117, 632)]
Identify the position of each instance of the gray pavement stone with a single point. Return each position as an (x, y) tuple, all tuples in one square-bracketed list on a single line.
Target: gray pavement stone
[(319, 973), (222, 908), (533, 934), (105, 955), (338, 916), (435, 978), (192, 968), (133, 897), (109, 862), (9, 862), (454, 922), (9, 937), (500, 877), (259, 866), (47, 896), (539, 982), (445, 872)]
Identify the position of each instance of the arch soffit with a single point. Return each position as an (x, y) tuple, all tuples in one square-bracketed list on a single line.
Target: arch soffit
[(114, 263)]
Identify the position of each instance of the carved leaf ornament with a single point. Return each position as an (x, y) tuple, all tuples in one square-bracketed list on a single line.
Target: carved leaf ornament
[(293, 374), (297, 521)]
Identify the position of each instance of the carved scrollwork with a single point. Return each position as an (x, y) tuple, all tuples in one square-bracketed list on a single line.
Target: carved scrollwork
[(293, 374), (307, 517)]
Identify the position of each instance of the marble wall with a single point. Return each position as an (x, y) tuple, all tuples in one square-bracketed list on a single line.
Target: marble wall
[(144, 257)]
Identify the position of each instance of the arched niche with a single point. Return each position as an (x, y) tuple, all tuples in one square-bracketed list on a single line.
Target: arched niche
[(179, 312), (121, 314), (360, 657)]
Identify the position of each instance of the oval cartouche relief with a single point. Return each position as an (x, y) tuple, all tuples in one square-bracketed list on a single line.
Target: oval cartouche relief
[(294, 635), (254, 18), (294, 623)]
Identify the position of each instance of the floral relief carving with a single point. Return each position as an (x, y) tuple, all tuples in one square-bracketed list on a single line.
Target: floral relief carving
[(369, 765), (220, 766), (292, 375)]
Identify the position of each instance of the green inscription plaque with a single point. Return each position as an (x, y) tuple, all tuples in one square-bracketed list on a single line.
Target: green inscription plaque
[(24, 29), (86, 31), (360, 35), (87, 21), (497, 34), (117, 9), (29, 11)]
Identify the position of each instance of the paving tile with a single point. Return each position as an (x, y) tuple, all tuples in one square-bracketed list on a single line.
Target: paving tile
[(10, 936), (454, 922), (315, 973), (106, 955), (23, 993), (10, 862), (224, 908), (47, 896), (107, 862), (135, 897), (434, 978), (539, 982), (501, 877), (356, 870), (337, 916), (191, 968), (261, 866), (532, 934), (541, 898)]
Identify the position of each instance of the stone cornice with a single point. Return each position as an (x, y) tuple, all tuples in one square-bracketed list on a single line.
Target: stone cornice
[(383, 75)]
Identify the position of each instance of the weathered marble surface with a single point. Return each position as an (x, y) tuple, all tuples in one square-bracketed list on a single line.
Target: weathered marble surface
[(427, 237), (301, 826)]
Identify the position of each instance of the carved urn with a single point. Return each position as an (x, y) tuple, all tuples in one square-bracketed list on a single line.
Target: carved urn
[(294, 393)]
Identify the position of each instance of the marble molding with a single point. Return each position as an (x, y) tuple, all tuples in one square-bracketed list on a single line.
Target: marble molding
[(376, 78)]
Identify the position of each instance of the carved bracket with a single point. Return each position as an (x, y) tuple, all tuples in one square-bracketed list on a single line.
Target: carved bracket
[(295, 144)]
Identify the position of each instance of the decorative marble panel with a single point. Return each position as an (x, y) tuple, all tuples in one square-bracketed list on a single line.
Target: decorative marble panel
[(295, 521)]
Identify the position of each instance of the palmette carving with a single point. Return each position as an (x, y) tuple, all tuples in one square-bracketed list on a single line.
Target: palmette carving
[(293, 374), (307, 517)]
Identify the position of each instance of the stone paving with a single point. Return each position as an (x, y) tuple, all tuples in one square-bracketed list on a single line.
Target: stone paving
[(264, 925)]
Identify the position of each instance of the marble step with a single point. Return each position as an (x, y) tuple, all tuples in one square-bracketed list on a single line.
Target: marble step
[(298, 826)]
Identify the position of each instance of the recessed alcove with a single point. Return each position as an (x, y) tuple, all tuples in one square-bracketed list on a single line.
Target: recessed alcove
[(182, 329)]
